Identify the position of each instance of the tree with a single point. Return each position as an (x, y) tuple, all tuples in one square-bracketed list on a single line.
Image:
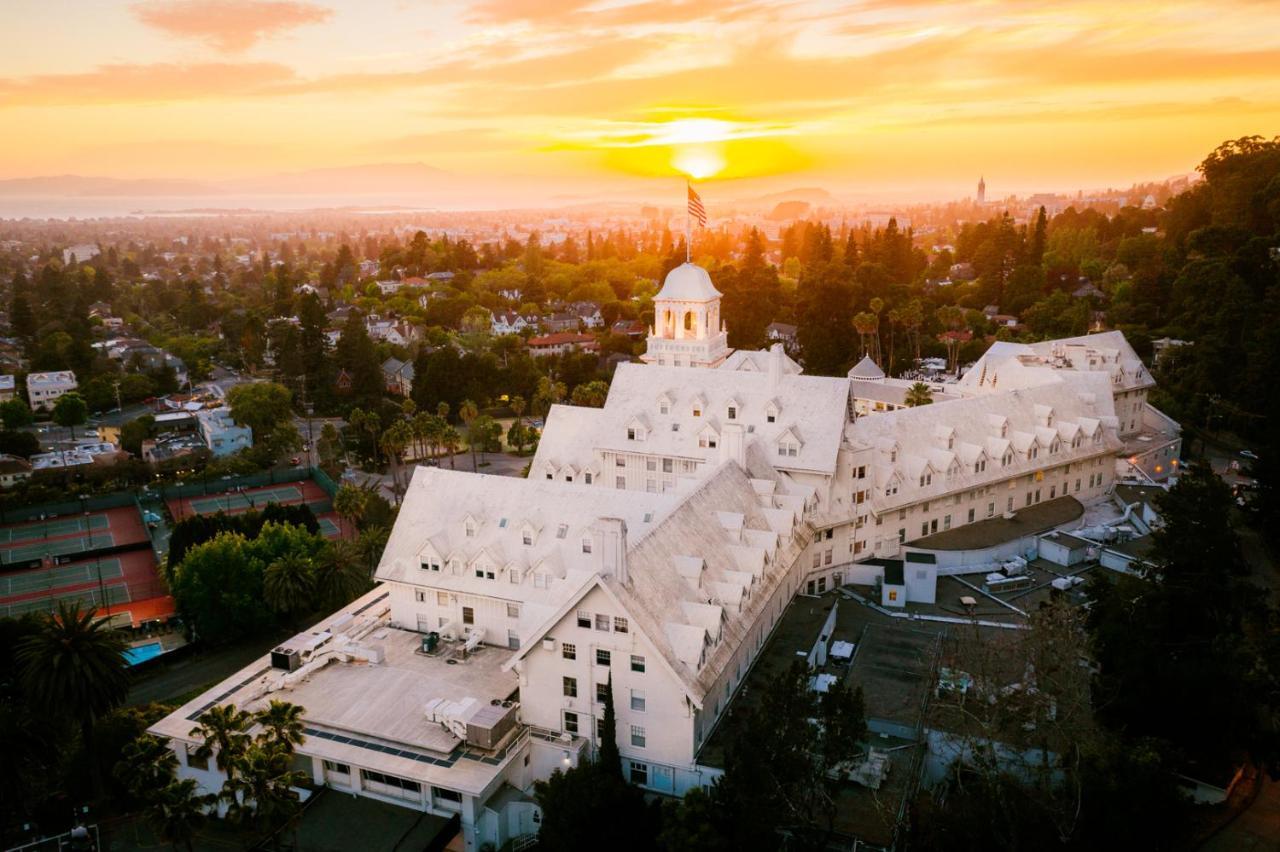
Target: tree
[(70, 411), (484, 432), (260, 406), (15, 413), (350, 502), (590, 394), (73, 667), (467, 413), (177, 810), (341, 577), (610, 762), (918, 394), (147, 765), (288, 586), (282, 724), (223, 731), (262, 794), (586, 808)]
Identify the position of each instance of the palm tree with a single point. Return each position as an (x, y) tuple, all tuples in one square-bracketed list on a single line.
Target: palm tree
[(147, 764), (224, 730), (918, 394), (371, 544), (518, 405), (341, 577), (450, 438), (74, 665), (282, 723), (350, 502), (468, 413), (289, 586), (177, 810), (262, 791), (865, 324)]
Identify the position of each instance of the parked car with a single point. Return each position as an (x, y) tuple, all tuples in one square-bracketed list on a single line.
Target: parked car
[(1248, 454)]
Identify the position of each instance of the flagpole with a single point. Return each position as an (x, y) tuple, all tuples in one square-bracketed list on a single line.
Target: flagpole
[(688, 223)]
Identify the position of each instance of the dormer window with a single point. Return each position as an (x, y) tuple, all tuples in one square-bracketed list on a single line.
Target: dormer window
[(663, 408), (926, 478), (1076, 442), (790, 449), (733, 412), (1033, 452), (1004, 430), (1008, 458), (586, 545), (526, 538), (980, 465), (562, 530), (470, 527), (697, 411), (893, 456), (631, 434)]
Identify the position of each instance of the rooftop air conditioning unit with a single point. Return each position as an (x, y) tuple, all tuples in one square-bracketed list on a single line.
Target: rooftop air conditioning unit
[(285, 659)]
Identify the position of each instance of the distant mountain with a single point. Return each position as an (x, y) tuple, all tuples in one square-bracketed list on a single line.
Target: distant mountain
[(79, 185), (372, 179), (814, 196)]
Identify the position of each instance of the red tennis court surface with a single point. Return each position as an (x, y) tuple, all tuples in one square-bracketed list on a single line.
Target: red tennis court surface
[(118, 584), (234, 502)]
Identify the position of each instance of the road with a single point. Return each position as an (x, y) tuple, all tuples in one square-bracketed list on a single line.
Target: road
[(1257, 829)]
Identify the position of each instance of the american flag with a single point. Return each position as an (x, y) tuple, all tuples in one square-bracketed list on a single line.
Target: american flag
[(696, 210)]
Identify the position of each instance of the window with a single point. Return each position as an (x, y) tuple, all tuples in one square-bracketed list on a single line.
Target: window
[(663, 408), (420, 596), (733, 412), (570, 686), (570, 722), (602, 657), (513, 610), (446, 795), (770, 418), (619, 461), (586, 542), (637, 663), (514, 576), (637, 736), (569, 651), (697, 411), (637, 700), (584, 619), (390, 785), (619, 482), (639, 773), (471, 529), (602, 622), (526, 538), (431, 565), (587, 478), (337, 768), (971, 516), (667, 466), (650, 464), (619, 624), (468, 615), (602, 693), (513, 640), (631, 434)]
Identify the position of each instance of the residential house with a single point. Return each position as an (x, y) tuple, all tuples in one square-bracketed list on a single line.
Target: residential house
[(44, 389), (561, 343), (398, 376), (13, 470), (781, 332), (221, 434), (8, 387)]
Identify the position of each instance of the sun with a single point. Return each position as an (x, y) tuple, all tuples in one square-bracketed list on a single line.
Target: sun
[(699, 161)]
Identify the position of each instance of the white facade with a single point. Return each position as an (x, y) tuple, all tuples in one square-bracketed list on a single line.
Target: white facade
[(687, 331), (654, 546), (221, 434), (44, 389)]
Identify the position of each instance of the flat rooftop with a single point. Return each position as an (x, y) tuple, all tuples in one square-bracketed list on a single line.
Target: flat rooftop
[(373, 714), (992, 531)]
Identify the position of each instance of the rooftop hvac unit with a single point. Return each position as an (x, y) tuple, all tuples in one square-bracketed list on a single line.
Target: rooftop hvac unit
[(489, 724), (285, 659)]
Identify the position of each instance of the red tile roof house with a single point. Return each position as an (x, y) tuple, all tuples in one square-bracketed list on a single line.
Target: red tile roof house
[(562, 342)]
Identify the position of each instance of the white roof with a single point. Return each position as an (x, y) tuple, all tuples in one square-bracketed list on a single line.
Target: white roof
[(813, 408), (688, 282), (1008, 366), (757, 361), (866, 370)]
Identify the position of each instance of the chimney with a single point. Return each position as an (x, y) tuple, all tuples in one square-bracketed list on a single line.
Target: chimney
[(775, 365), (609, 535), (733, 444)]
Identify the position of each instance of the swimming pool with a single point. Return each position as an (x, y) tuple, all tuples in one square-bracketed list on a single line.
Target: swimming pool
[(142, 653)]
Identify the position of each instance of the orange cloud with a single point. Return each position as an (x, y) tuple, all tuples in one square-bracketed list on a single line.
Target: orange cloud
[(228, 25), (117, 84)]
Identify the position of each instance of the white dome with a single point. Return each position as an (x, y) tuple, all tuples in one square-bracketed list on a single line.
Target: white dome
[(688, 283)]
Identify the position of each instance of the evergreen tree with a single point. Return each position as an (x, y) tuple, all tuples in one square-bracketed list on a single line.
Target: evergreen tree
[(610, 761)]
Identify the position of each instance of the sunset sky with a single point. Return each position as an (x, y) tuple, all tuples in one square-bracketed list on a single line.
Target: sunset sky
[(864, 95)]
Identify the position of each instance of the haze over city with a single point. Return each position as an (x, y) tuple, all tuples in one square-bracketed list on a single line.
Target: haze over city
[(519, 103)]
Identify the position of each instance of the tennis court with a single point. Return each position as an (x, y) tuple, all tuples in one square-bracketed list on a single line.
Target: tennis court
[(56, 547), (329, 528), (240, 500), (118, 594), (43, 579), (52, 528)]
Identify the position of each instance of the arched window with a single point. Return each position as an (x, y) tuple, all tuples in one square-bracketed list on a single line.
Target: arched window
[(688, 320)]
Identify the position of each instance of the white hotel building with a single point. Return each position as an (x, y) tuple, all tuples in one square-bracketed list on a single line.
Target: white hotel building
[(656, 543)]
